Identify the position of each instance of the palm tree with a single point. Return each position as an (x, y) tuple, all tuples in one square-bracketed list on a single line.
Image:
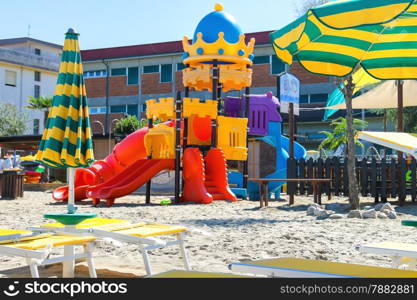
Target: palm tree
[(339, 137), (42, 104)]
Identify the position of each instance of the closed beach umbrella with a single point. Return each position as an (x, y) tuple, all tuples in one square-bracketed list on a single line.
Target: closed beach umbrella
[(66, 140), (339, 37)]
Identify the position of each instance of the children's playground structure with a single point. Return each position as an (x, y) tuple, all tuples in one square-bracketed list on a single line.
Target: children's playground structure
[(198, 137)]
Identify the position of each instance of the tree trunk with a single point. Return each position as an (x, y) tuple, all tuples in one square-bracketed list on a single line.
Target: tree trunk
[(353, 185)]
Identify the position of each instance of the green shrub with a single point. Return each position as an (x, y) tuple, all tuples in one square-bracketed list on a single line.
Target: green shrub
[(127, 125)]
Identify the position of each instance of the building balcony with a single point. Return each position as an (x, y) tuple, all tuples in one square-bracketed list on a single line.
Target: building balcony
[(29, 60)]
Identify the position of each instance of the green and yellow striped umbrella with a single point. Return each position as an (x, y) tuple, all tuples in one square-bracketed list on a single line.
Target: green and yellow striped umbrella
[(66, 141), (332, 39)]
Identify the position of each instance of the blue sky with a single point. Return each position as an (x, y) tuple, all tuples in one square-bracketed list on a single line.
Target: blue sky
[(111, 23)]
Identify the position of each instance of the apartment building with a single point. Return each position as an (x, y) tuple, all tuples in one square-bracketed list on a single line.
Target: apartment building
[(121, 79), (28, 68)]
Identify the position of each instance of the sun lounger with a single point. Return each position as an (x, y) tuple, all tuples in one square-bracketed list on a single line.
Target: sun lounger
[(146, 235), (37, 247), (194, 274), (305, 268), (402, 254)]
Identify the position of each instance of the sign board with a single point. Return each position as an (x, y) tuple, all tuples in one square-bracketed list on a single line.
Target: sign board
[(289, 93)]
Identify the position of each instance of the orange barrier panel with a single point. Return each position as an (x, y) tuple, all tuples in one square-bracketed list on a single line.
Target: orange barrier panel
[(194, 181), (216, 176), (203, 184)]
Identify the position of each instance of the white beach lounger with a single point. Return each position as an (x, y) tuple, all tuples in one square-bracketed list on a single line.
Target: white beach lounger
[(305, 268), (36, 248), (146, 235), (403, 255)]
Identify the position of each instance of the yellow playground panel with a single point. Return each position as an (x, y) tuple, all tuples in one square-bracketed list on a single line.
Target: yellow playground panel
[(232, 136), (233, 77), (162, 109), (193, 107), (160, 142)]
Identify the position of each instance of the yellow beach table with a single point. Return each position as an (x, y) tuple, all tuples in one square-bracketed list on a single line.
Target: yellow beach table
[(66, 140)]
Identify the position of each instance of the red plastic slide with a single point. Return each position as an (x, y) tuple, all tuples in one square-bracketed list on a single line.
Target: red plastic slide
[(127, 152), (129, 180), (205, 180)]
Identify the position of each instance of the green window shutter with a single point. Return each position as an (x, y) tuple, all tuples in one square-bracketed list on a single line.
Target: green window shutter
[(259, 60), (277, 66), (166, 73), (132, 110), (118, 72), (303, 98), (151, 69), (180, 66), (118, 109), (133, 75), (319, 98)]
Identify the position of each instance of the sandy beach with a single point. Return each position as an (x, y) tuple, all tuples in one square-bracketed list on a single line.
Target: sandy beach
[(235, 232)]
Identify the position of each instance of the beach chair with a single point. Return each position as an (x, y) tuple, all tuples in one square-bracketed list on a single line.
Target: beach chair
[(403, 255), (37, 247), (305, 268), (146, 235)]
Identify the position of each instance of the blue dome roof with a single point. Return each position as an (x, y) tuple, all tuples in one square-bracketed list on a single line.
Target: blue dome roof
[(215, 22)]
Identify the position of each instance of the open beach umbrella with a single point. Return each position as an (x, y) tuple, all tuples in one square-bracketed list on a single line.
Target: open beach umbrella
[(338, 37), (362, 81), (67, 141), (383, 96)]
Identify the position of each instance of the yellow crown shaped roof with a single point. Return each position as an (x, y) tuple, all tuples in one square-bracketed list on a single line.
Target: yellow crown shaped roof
[(202, 52)]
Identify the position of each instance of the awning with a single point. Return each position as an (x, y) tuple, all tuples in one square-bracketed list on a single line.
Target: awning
[(400, 141), (384, 96)]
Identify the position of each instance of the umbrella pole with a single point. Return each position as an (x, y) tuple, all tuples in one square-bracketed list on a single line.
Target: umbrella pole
[(68, 266), (71, 192)]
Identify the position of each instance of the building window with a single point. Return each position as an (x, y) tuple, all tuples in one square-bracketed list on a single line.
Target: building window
[(260, 60), (277, 66), (37, 92), (118, 109), (97, 110), (318, 98), (36, 127), (11, 78), (37, 76), (303, 99), (133, 75), (96, 73), (150, 69), (118, 72), (37, 51), (166, 73), (180, 66), (132, 110)]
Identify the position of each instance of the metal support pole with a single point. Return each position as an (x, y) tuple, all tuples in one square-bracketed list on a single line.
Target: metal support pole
[(400, 128), (291, 128), (178, 103), (246, 114), (149, 183), (291, 136), (215, 84), (107, 125)]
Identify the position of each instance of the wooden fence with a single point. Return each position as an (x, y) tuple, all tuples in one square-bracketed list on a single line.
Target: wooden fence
[(380, 179)]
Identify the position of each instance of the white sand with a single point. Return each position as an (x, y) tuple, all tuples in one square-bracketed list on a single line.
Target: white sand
[(239, 231)]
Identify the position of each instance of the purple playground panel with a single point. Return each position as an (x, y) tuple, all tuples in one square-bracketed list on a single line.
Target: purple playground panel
[(262, 110)]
